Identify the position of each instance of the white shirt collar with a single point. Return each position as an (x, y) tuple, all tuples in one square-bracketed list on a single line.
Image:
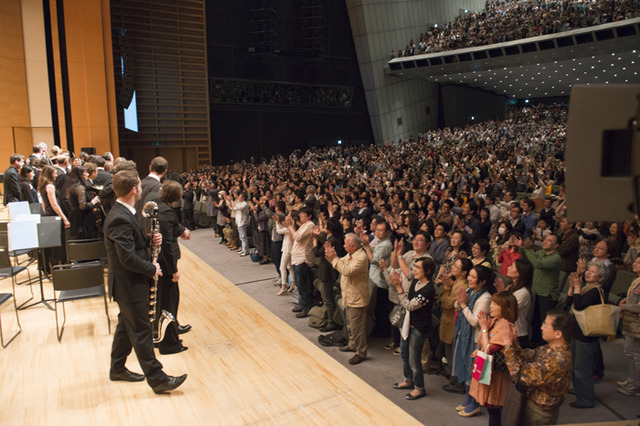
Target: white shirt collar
[(130, 208), (156, 177)]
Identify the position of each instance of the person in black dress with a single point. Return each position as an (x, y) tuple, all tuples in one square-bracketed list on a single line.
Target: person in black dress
[(83, 223), (51, 207), (27, 191), (168, 290)]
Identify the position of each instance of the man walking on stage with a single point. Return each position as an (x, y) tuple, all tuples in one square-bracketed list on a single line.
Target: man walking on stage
[(129, 272)]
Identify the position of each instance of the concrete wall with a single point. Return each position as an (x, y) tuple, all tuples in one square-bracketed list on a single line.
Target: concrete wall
[(398, 108)]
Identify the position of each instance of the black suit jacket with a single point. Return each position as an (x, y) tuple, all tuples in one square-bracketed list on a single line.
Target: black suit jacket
[(102, 178), (11, 187), (150, 190), (129, 264)]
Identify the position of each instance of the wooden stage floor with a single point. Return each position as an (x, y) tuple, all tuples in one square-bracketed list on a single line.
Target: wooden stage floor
[(245, 366)]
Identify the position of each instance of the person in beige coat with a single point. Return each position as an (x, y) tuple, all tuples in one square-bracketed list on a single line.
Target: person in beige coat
[(354, 284), (450, 286)]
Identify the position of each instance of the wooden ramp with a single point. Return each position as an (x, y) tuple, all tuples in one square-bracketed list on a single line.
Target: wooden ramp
[(245, 366)]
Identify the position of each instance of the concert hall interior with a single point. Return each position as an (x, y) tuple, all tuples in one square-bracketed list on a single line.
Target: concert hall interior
[(303, 137)]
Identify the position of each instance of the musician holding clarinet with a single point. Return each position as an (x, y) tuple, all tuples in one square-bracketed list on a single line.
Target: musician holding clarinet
[(168, 291), (129, 272)]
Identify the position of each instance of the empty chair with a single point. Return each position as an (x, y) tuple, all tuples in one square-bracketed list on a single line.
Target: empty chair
[(76, 282), (4, 242), (86, 250), (7, 270)]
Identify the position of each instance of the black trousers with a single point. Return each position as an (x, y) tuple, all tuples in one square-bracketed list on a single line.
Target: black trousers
[(382, 326), (134, 332), (276, 254), (543, 305), (168, 300)]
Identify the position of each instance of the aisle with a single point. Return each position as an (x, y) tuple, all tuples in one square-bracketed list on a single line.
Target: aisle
[(245, 366)]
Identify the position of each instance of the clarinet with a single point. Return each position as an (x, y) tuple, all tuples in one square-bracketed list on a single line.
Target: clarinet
[(158, 324)]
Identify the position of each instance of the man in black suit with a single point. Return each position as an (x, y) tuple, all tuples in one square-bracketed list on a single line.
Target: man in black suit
[(151, 184), (11, 177), (129, 273), (104, 177)]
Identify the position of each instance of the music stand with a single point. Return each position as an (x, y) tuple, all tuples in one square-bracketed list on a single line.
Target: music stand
[(33, 235), (18, 208), (36, 208)]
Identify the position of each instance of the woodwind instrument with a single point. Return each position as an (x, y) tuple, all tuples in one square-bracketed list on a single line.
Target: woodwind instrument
[(159, 323)]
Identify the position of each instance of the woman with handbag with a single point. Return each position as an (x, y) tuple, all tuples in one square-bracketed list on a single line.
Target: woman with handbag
[(631, 329), (470, 303), (503, 309), (417, 300), (583, 348)]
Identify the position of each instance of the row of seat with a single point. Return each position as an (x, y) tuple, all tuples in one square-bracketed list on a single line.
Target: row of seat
[(81, 278)]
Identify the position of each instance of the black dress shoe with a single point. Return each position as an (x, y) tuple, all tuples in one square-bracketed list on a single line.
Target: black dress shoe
[(263, 262), (125, 376), (184, 328), (173, 351), (576, 404), (169, 384), (296, 309), (453, 389), (414, 397)]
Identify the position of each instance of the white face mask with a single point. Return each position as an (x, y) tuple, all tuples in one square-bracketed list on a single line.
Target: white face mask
[(501, 231)]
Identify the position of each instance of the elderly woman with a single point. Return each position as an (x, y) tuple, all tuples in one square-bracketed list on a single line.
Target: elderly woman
[(418, 300), (584, 348), (470, 303), (631, 329), (503, 308)]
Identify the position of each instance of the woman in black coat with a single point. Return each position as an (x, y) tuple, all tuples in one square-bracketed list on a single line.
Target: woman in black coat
[(168, 291), (25, 182)]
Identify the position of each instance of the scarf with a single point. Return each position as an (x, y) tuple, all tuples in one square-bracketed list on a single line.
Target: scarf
[(464, 343)]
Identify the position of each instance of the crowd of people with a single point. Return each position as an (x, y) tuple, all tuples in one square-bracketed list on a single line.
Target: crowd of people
[(515, 20), (458, 235)]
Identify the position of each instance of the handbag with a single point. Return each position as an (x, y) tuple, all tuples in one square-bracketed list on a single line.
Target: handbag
[(598, 320), (396, 316), (482, 368), (500, 362)]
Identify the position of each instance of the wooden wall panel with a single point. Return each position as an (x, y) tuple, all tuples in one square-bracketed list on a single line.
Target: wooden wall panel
[(14, 104), (168, 39), (88, 62)]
